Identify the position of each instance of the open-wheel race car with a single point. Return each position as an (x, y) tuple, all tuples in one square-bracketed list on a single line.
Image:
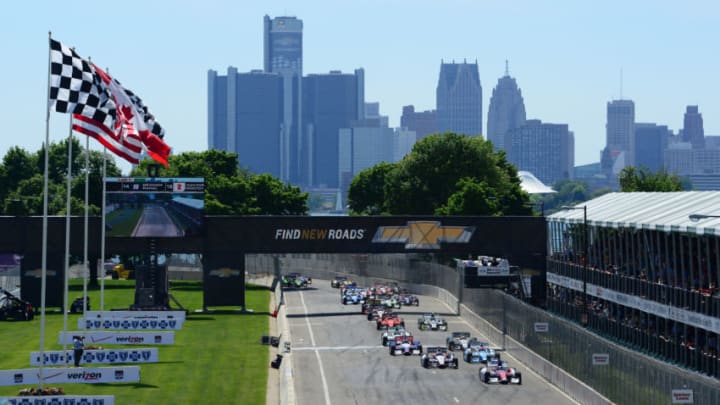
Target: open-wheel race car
[(388, 320), (479, 352), (438, 357), (295, 280), (498, 372), (392, 332), (458, 340), (409, 299), (432, 321), (404, 345)]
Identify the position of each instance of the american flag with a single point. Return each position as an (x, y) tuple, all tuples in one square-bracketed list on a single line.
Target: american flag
[(102, 108)]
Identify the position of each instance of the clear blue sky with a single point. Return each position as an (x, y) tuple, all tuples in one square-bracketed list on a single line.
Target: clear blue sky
[(566, 56)]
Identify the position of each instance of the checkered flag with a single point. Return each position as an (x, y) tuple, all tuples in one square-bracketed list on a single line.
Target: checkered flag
[(147, 117), (75, 87)]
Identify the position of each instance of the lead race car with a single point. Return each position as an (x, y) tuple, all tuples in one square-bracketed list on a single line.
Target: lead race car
[(404, 345), (432, 321), (497, 372), (438, 357)]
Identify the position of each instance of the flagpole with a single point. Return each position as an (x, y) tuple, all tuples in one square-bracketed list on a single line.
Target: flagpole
[(68, 208), (102, 234), (86, 270), (43, 283)]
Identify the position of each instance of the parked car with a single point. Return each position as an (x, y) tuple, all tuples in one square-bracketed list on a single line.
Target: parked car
[(77, 305)]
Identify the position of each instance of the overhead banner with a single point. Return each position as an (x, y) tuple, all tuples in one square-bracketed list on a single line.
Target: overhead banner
[(82, 375), (60, 400), (138, 315), (100, 356), (120, 338), (129, 324)]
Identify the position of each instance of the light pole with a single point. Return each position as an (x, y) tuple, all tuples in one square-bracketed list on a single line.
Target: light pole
[(583, 313)]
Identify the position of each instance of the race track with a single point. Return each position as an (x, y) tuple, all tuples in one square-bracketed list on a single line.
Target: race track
[(155, 222), (337, 358)]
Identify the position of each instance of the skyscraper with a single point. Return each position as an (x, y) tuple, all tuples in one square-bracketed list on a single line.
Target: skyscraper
[(651, 140), (422, 122), (283, 55), (545, 150), (506, 111), (245, 116), (330, 102), (693, 131), (620, 129), (459, 99)]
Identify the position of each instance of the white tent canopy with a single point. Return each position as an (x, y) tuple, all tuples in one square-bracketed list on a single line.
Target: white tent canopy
[(532, 185), (669, 212)]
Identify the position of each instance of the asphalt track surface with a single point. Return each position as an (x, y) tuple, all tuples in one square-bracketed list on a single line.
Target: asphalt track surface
[(337, 358), (155, 222)]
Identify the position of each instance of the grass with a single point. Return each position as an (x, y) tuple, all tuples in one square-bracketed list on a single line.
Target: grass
[(216, 358), (123, 221)]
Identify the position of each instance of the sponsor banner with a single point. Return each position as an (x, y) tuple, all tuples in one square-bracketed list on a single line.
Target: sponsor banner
[(662, 310), (120, 338), (541, 327), (423, 234), (83, 375), (682, 396), (600, 359), (60, 400), (129, 324), (156, 315), (100, 356)]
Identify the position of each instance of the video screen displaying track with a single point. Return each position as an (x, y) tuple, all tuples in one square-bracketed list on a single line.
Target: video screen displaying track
[(154, 208)]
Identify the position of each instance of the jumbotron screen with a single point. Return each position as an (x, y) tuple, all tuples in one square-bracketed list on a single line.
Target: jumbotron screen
[(154, 207)]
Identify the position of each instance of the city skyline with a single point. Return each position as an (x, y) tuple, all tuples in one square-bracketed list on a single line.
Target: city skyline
[(566, 57)]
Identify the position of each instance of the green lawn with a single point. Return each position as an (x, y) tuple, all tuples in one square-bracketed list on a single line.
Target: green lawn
[(216, 358)]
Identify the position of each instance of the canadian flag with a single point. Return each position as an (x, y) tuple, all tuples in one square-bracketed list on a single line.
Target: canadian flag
[(134, 119)]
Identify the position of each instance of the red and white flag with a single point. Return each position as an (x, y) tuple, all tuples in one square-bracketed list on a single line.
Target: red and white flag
[(135, 119), (125, 143)]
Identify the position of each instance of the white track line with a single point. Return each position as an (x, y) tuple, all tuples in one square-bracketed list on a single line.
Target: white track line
[(329, 348), (317, 353)]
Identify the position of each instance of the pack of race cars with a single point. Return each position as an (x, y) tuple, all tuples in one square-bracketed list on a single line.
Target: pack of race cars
[(379, 302)]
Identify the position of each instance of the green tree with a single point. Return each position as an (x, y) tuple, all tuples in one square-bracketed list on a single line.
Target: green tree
[(426, 179), (366, 195), (642, 179), (230, 190), (471, 198)]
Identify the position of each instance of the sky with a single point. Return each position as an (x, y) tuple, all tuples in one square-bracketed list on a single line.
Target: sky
[(569, 57)]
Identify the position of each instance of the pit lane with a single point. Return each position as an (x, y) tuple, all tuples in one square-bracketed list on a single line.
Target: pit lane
[(337, 358)]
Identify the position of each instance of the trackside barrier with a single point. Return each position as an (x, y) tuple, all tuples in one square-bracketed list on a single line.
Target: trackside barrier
[(557, 376)]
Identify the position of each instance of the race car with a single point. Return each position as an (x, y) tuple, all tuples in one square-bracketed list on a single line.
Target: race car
[(438, 357), (458, 340), (376, 312), (337, 281), (392, 332), (353, 297), (295, 280), (388, 320), (369, 304), (392, 301), (432, 321), (499, 372), (404, 345), (479, 352), (409, 299)]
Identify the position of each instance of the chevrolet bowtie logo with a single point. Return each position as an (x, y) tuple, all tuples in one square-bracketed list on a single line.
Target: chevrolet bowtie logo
[(423, 234), (225, 273)]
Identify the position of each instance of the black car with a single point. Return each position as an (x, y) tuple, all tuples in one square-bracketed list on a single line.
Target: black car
[(77, 305), (12, 307)]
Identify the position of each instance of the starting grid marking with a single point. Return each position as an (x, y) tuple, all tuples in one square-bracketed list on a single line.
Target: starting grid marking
[(336, 348)]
